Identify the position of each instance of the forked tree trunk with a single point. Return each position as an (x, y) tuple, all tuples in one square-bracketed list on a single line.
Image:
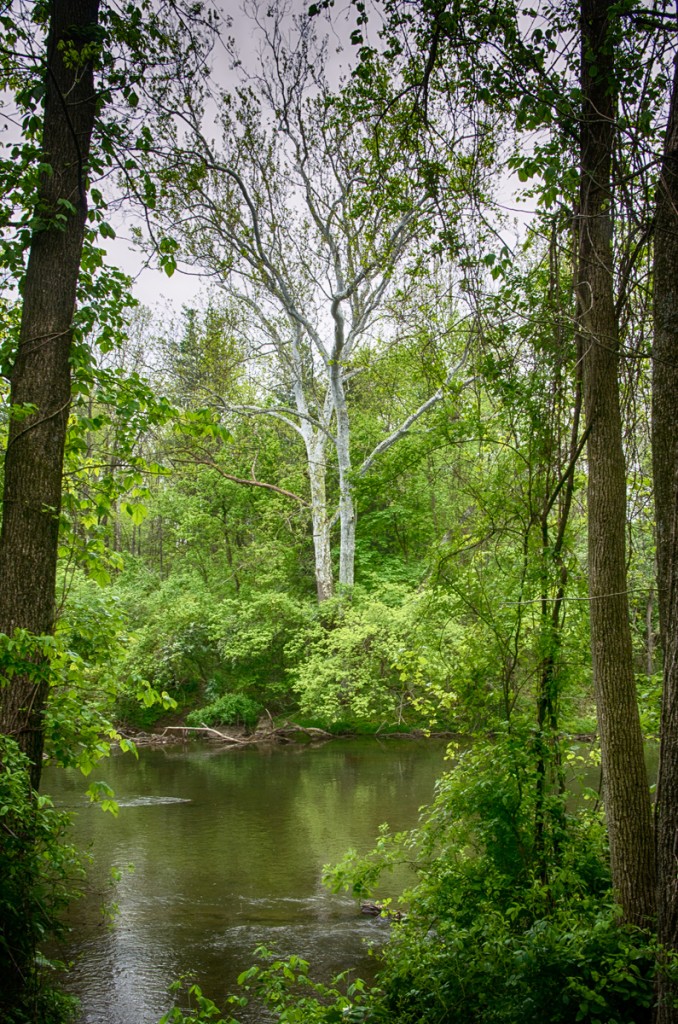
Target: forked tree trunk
[(665, 471), (626, 790), (41, 375)]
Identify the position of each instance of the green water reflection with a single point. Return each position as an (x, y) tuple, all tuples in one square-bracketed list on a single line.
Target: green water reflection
[(228, 848)]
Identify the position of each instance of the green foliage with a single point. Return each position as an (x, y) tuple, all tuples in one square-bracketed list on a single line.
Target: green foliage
[(82, 665), (347, 665), (229, 709), (288, 992), (372, 660), (488, 935), (39, 874), (196, 1008), (112, 408), (438, 656), (87, 673), (172, 648), (85, 653), (579, 964), (254, 635), (362, 874), (75, 733), (197, 645), (649, 703), (184, 659)]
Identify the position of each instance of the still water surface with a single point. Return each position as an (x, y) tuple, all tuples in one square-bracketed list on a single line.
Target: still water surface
[(227, 848)]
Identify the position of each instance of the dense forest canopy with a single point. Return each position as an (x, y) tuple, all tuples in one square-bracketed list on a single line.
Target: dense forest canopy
[(407, 461)]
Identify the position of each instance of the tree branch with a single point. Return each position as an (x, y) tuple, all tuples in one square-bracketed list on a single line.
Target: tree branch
[(408, 423), (205, 461)]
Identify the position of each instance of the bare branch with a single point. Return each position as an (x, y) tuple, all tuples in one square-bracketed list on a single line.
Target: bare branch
[(203, 460), (408, 423)]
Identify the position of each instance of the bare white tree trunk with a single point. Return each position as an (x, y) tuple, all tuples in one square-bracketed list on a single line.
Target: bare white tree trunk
[(347, 509), (314, 442)]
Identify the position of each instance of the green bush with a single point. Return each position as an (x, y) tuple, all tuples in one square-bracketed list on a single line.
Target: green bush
[(284, 987), (37, 874), (508, 923), (131, 713), (192, 1007), (251, 635), (377, 659), (578, 964), (230, 709), (177, 656)]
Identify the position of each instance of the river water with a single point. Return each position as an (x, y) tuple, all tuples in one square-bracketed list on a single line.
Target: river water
[(219, 851)]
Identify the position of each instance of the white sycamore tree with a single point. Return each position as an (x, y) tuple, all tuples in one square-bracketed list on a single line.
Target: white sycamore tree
[(316, 224)]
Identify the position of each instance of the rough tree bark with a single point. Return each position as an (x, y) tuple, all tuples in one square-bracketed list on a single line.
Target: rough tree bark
[(41, 374), (665, 471), (626, 790)]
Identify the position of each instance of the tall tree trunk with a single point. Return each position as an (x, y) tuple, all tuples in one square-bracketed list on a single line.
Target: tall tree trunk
[(626, 790), (314, 437), (41, 375), (649, 633), (347, 510), (317, 472), (665, 470)]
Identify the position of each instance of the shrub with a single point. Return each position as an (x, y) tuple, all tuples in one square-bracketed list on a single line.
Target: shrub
[(230, 709), (251, 635), (37, 871), (577, 964), (494, 933)]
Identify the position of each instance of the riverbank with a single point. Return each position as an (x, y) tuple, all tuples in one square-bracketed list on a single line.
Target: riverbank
[(266, 733)]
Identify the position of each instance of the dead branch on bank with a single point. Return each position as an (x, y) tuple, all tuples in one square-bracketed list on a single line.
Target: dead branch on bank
[(281, 733)]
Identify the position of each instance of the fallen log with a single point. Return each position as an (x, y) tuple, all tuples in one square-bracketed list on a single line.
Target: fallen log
[(309, 730), (207, 729), (279, 733)]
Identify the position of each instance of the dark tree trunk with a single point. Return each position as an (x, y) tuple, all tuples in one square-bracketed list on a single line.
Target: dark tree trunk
[(626, 790), (41, 375), (665, 470)]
